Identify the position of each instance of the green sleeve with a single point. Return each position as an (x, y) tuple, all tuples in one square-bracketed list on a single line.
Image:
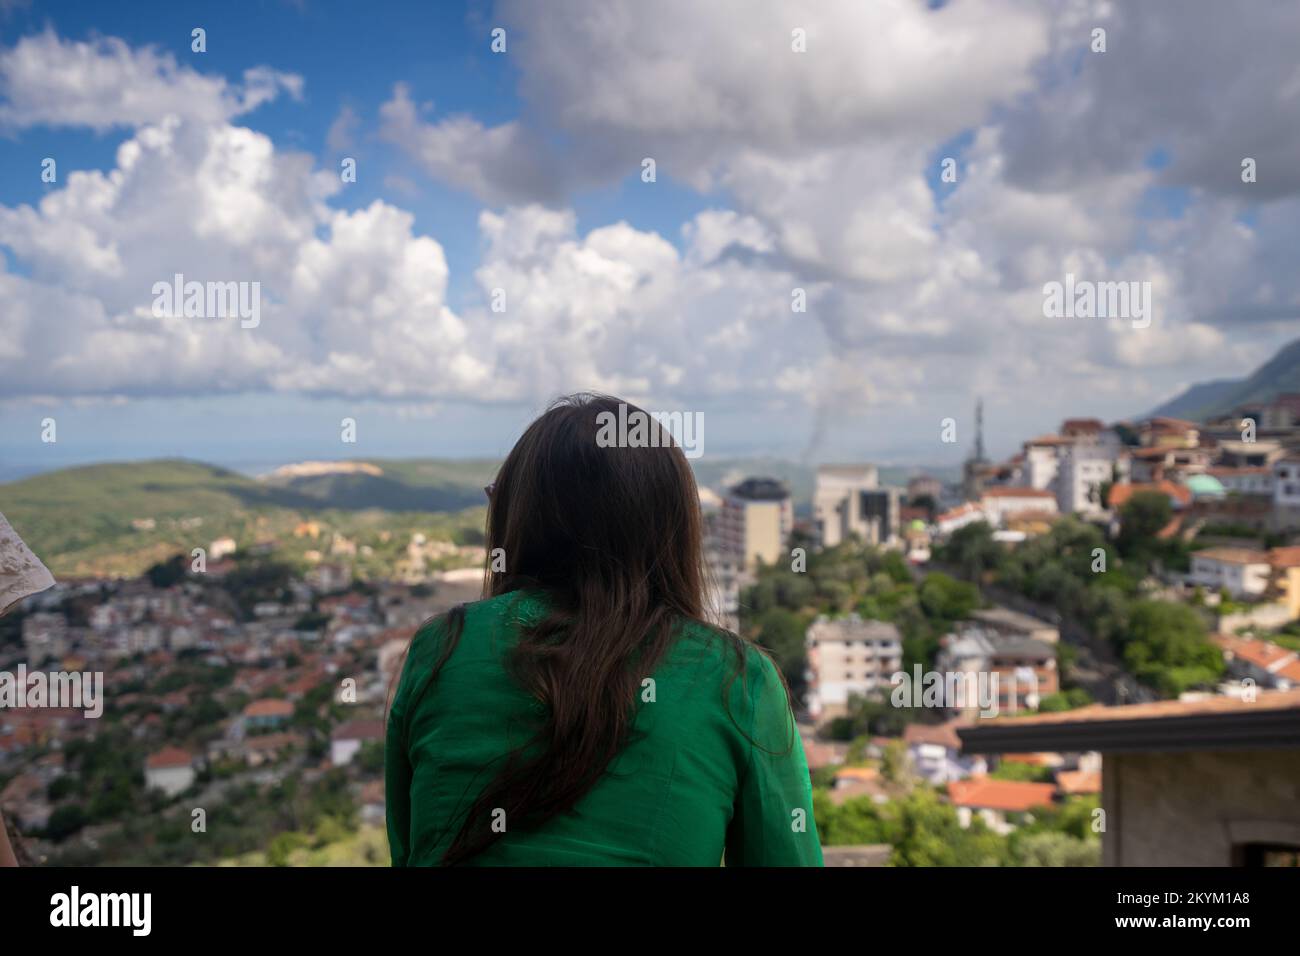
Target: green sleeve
[(772, 822), (397, 792), (397, 762)]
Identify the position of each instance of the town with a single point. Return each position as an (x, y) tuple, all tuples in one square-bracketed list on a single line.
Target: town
[(1143, 575)]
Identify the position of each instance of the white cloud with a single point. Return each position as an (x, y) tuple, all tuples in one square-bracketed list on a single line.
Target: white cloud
[(105, 83)]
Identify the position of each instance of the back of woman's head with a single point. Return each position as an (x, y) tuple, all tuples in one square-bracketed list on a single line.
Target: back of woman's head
[(597, 506), (596, 509)]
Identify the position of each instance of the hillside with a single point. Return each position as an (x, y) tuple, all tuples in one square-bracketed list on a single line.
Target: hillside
[(1208, 400), (120, 518)]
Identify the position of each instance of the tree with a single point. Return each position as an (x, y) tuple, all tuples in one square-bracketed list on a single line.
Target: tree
[(972, 550), (1056, 849), (1166, 646), (946, 598), (925, 832), (1141, 519)]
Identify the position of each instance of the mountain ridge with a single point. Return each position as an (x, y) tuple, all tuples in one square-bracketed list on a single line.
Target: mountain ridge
[(1219, 397)]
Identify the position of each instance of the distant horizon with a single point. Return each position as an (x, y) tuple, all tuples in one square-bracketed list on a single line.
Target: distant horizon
[(258, 468)]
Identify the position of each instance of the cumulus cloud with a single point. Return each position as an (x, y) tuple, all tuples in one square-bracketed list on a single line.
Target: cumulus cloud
[(918, 296), (105, 83)]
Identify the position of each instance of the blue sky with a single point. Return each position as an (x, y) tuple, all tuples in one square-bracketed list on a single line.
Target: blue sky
[(778, 169)]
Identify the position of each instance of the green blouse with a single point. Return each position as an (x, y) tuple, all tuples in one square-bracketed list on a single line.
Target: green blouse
[(713, 764)]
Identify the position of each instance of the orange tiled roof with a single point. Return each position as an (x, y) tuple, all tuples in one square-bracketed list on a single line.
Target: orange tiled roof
[(1078, 781), (1007, 795), (170, 757), (269, 707), (1122, 492), (1233, 555), (1284, 557)]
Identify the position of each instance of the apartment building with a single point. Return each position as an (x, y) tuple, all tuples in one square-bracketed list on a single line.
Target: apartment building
[(849, 502), (999, 502), (1243, 571), (1019, 671), (755, 521), (849, 656)]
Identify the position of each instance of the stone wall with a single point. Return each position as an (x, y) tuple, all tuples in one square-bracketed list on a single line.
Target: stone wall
[(1191, 809)]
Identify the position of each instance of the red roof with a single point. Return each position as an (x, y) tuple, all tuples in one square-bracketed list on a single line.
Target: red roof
[(1284, 557), (269, 707), (945, 735), (1079, 781), (1122, 492), (1009, 492), (1007, 795), (169, 757), (359, 730)]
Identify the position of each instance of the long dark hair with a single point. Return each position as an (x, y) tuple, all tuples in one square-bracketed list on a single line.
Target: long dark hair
[(613, 537)]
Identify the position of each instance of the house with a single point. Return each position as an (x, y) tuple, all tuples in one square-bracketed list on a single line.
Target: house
[(968, 513), (267, 714), (998, 671), (1244, 479), (1180, 496), (1001, 804), (170, 770), (1167, 462), (1285, 583), (1078, 783), (849, 656), (267, 748), (1162, 432), (850, 783), (999, 502), (1006, 621), (349, 738), (221, 548), (1263, 662), (1211, 782), (935, 752), (1286, 489), (1243, 571)]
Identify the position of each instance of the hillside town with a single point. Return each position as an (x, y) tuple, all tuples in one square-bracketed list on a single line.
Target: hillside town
[(956, 652), (1144, 571)]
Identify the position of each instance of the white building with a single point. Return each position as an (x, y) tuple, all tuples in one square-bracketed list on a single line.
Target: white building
[(1242, 571), (726, 580), (835, 501), (350, 737), (948, 522), (1244, 479), (1286, 483), (935, 751), (170, 770), (1083, 467), (221, 548), (1040, 466), (999, 501), (849, 656)]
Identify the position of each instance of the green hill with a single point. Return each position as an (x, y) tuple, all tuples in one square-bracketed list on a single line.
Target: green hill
[(1209, 400), (120, 518)]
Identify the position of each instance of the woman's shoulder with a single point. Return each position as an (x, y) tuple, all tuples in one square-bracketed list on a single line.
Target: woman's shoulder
[(732, 655)]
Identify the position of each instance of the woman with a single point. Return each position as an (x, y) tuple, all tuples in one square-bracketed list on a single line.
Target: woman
[(583, 713)]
